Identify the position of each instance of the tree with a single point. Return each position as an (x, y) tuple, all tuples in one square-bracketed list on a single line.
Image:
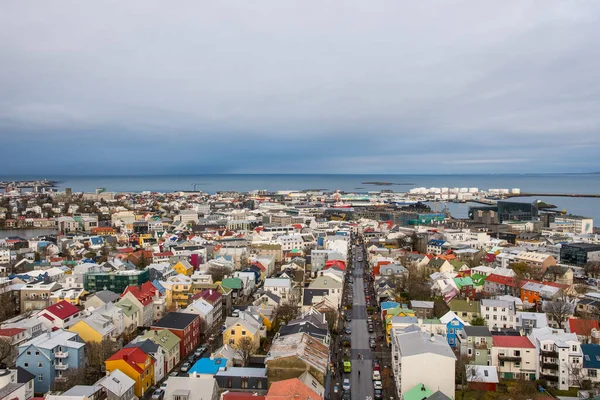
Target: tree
[(287, 312), (245, 350), (525, 271), (8, 306), (559, 309), (440, 308), (6, 351), (331, 316), (218, 272), (478, 321), (592, 268), (70, 378)]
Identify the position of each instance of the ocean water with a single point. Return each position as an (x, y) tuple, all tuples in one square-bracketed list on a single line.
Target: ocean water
[(529, 183)]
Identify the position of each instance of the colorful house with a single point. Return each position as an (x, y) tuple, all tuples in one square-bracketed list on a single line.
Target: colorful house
[(185, 326), (94, 328), (465, 286), (243, 326), (184, 268), (136, 364), (454, 324)]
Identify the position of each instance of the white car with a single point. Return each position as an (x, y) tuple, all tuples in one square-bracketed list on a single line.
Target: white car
[(376, 375), (346, 384), (377, 385)]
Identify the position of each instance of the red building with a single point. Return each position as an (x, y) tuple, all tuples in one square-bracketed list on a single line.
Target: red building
[(184, 326)]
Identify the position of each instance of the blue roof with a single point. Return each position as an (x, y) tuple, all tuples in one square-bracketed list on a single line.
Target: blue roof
[(96, 240), (159, 287), (389, 304), (591, 355), (208, 366), (435, 242)]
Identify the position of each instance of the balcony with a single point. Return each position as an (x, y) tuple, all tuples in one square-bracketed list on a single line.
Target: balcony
[(550, 353), (549, 366), (61, 354), (550, 378), (503, 357), (61, 367), (481, 346)]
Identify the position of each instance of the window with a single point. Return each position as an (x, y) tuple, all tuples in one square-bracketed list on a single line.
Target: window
[(233, 331), (592, 373), (26, 364), (39, 365), (28, 353), (517, 353), (243, 333), (40, 377), (451, 330), (517, 365), (574, 348), (244, 383), (502, 363), (37, 353), (231, 341)]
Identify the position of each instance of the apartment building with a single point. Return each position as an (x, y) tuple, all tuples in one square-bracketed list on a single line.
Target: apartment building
[(514, 356), (539, 261), (475, 344), (498, 313)]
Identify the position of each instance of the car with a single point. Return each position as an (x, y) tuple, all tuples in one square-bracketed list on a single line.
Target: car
[(346, 384), (377, 385), (371, 329), (158, 394), (378, 394), (348, 331), (192, 359), (199, 351), (185, 367), (163, 385), (348, 318), (336, 389), (376, 375), (372, 343), (174, 373), (346, 395), (376, 367), (369, 320), (359, 259)]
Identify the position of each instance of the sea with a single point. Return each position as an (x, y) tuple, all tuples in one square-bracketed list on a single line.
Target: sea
[(578, 183)]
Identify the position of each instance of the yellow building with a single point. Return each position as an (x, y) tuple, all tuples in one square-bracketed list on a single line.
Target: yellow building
[(244, 326), (395, 312), (94, 328), (72, 296), (133, 362), (183, 267), (177, 292)]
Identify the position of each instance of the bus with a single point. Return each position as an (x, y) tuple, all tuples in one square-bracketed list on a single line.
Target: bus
[(347, 366)]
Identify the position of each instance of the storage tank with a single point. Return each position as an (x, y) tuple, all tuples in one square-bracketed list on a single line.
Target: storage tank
[(515, 191)]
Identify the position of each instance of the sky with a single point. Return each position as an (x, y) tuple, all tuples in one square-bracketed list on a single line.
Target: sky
[(156, 87)]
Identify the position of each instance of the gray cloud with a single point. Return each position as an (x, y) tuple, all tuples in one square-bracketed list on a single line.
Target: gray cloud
[(274, 86)]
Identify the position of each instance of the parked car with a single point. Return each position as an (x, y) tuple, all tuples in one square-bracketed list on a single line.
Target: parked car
[(378, 394), (348, 331), (369, 320), (376, 375), (346, 384), (158, 394), (199, 351), (376, 366), (372, 343), (163, 385), (346, 395), (371, 329), (185, 367), (348, 318), (377, 385), (174, 373)]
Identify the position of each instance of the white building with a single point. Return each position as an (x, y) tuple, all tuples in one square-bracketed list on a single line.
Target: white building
[(498, 313), (422, 358), (291, 242), (574, 223), (282, 287), (557, 353), (514, 356)]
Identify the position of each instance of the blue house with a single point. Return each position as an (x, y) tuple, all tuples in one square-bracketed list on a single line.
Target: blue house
[(208, 366), (453, 326), (49, 355), (591, 360)]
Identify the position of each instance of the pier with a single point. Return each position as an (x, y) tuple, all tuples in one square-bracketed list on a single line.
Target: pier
[(552, 195)]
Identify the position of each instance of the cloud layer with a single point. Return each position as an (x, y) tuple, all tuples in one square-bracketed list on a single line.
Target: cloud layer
[(272, 86)]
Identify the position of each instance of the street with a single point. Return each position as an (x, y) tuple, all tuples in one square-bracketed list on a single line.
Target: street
[(362, 388)]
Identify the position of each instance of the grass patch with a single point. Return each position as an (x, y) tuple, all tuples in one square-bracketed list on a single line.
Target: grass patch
[(572, 392)]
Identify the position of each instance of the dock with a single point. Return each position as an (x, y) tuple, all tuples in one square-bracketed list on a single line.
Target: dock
[(552, 195)]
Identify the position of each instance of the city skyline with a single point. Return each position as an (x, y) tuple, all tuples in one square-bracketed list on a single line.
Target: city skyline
[(336, 88)]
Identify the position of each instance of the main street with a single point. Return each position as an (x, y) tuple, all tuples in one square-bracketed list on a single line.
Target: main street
[(362, 387)]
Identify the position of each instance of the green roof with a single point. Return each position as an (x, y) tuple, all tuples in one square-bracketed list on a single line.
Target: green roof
[(465, 281), (432, 321), (478, 279), (232, 283), (163, 337), (457, 264), (464, 306), (128, 307), (417, 392)]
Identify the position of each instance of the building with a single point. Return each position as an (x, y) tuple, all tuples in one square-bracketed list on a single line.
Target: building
[(513, 211), (475, 344), (242, 379), (190, 388), (468, 309), (94, 328), (454, 325), (49, 355), (514, 356), (185, 326), (118, 386), (16, 384), (418, 357), (60, 315), (591, 362), (574, 223), (36, 296), (422, 309), (292, 389), (539, 262), (557, 353), (169, 342), (114, 281), (498, 313), (528, 321), (579, 254), (242, 327), (136, 364)]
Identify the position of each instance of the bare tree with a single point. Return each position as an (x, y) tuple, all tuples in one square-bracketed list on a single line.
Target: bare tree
[(245, 350), (70, 378), (559, 309), (592, 268), (6, 351), (331, 316), (218, 272)]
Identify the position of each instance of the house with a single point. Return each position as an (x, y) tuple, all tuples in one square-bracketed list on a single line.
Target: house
[(591, 362), (207, 366), (501, 285), (14, 337), (437, 247), (241, 327), (498, 313), (419, 357), (292, 389), (290, 356), (475, 344), (118, 386), (332, 286), (73, 295), (60, 315), (440, 265), (467, 309), (143, 298), (557, 353), (235, 285), (169, 342), (538, 261), (242, 378), (422, 309), (178, 290), (16, 384), (131, 314), (454, 324), (205, 310), (36, 296), (528, 321), (94, 328), (185, 326), (183, 267), (514, 356), (465, 286), (482, 377), (191, 388), (136, 364), (267, 299), (215, 299), (313, 324), (101, 298), (153, 350), (587, 330), (49, 355), (281, 287)]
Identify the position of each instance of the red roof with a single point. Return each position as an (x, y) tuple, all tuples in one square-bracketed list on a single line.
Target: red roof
[(63, 309), (501, 279), (9, 332), (164, 254), (210, 295), (126, 249), (583, 327), (335, 263), (556, 284), (297, 226), (241, 396), (144, 295), (521, 342), (259, 265), (133, 356)]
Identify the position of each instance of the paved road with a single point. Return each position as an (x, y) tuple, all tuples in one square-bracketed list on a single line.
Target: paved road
[(362, 388)]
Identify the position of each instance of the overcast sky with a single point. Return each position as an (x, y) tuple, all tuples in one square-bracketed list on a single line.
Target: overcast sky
[(122, 87)]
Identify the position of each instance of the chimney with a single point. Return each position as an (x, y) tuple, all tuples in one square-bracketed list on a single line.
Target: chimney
[(423, 388)]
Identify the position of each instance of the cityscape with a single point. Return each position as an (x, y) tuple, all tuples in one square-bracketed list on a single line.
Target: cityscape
[(295, 200)]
